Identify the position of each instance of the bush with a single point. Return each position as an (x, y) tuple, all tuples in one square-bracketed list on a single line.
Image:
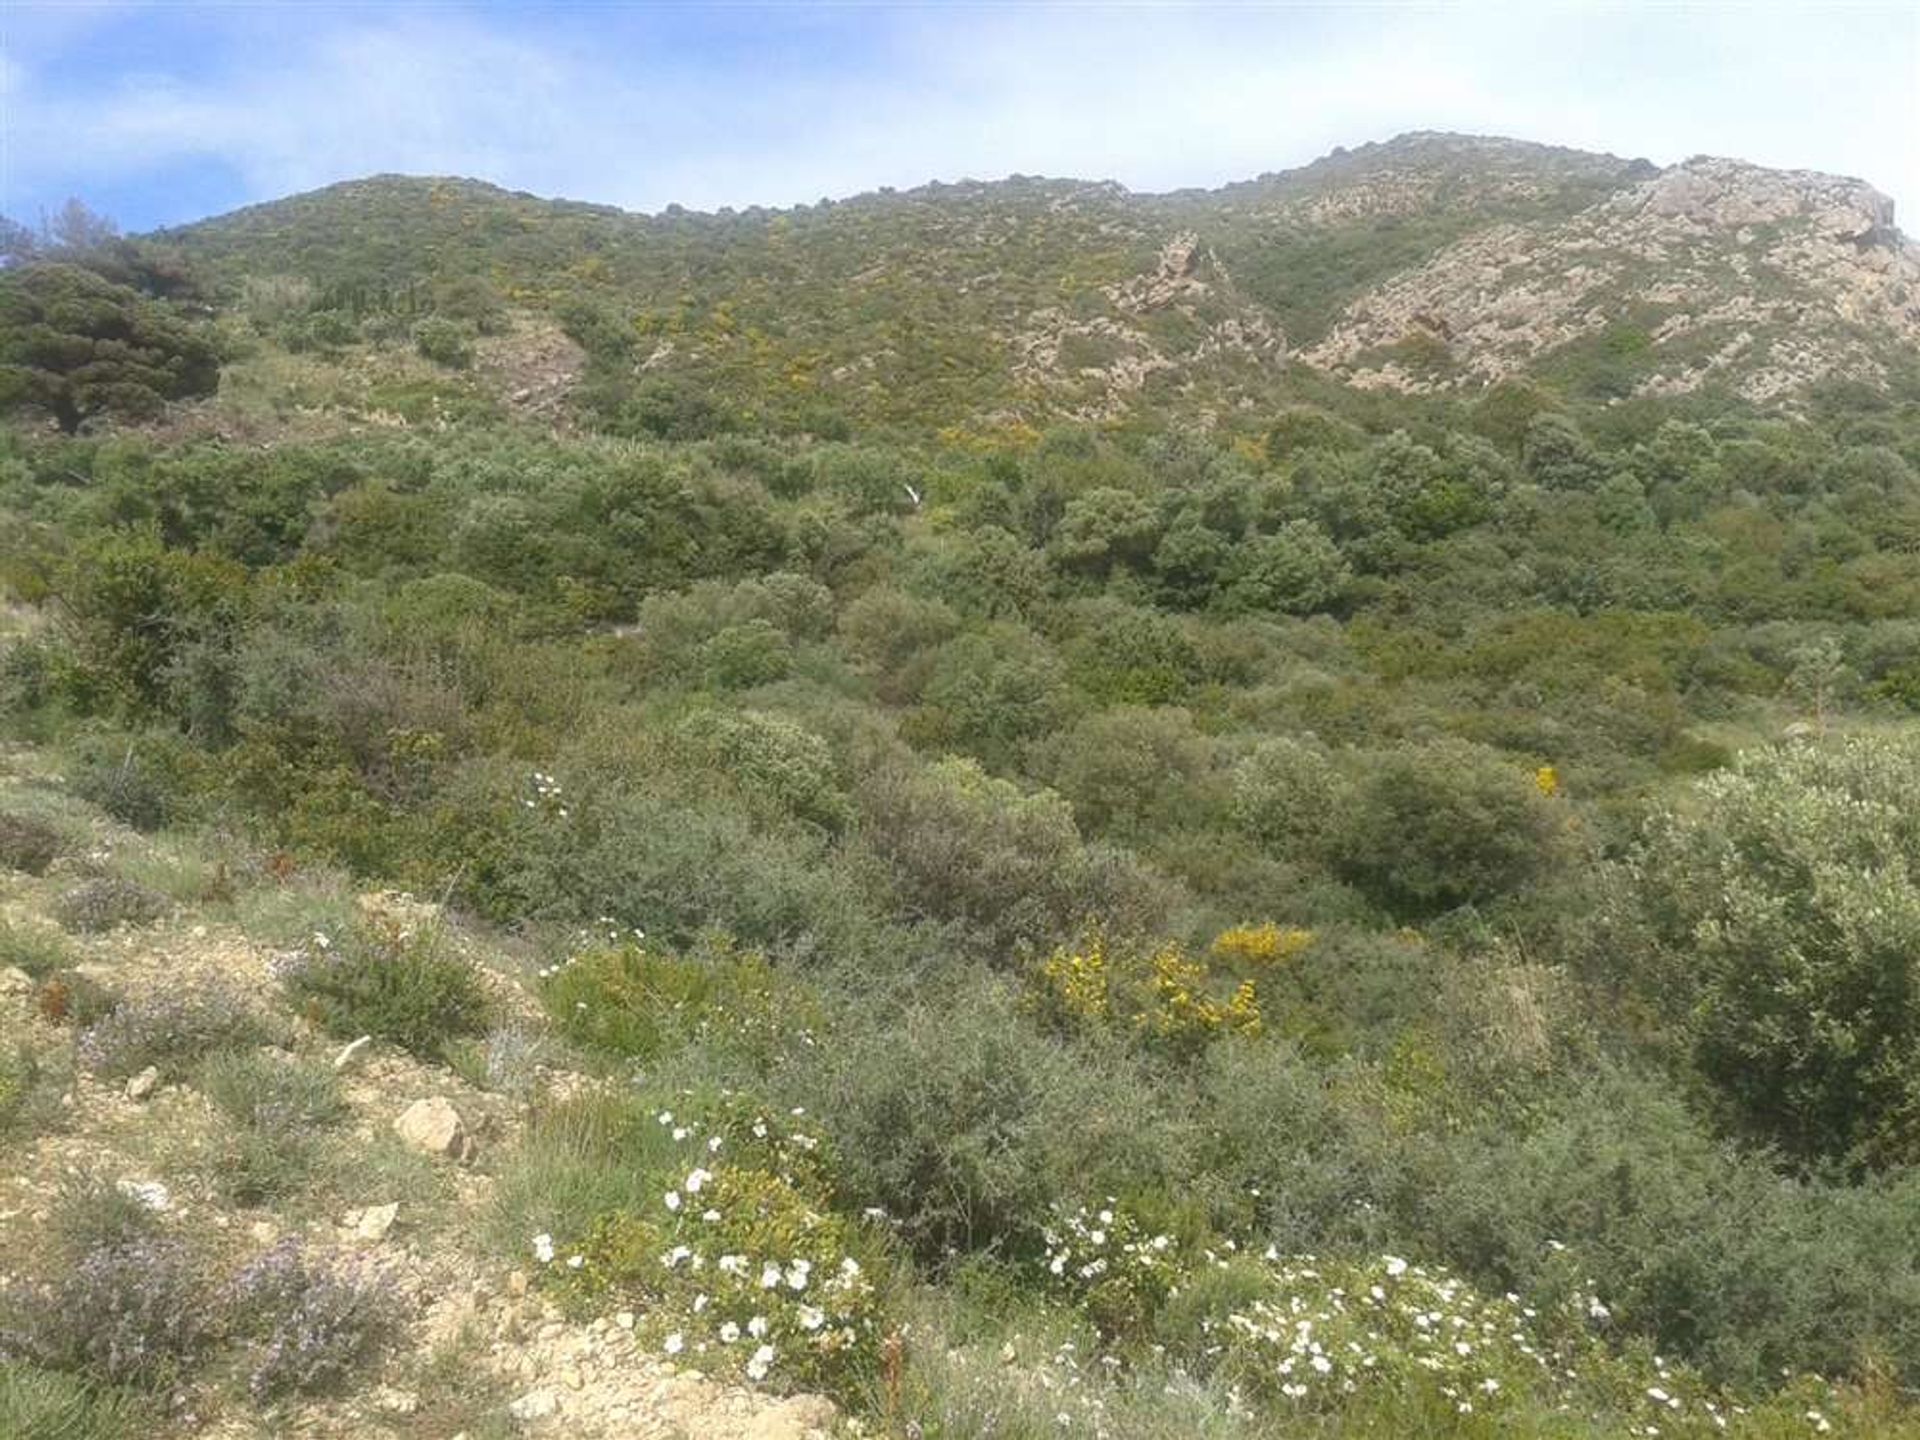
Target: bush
[(1784, 910), (167, 1028), (33, 949), (745, 1270), (964, 1123), (633, 1001), (1287, 796), (379, 980), (137, 1313), (38, 1404), (965, 847), (309, 1323), (278, 1105), (108, 902), (29, 1091), (1446, 824), (27, 844), (445, 342)]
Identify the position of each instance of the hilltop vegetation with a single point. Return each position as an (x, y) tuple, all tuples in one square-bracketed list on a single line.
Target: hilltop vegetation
[(1024, 902)]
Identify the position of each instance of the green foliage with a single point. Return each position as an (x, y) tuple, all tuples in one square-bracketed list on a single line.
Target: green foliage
[(1783, 903), (38, 1404), (444, 341), (77, 347), (1435, 826), (638, 1003), (406, 986), (277, 1107)]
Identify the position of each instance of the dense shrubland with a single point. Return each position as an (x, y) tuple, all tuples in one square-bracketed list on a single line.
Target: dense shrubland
[(1469, 844)]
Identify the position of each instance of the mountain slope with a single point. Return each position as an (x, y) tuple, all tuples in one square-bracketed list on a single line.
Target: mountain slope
[(1430, 262)]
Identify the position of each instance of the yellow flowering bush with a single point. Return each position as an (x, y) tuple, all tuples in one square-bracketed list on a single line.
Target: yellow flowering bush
[(1261, 945), (1168, 998)]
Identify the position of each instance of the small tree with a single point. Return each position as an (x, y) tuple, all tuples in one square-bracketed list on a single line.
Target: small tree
[(75, 346), (1784, 905)]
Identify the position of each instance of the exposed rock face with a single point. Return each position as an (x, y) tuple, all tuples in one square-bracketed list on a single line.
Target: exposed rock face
[(1772, 279)]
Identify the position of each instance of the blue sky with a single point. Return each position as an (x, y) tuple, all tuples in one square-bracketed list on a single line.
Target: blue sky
[(160, 113)]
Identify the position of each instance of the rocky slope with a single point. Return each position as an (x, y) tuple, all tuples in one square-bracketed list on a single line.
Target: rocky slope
[(405, 1195), (1427, 263)]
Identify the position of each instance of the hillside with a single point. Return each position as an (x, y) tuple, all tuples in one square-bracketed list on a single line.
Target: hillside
[(1006, 812), (1428, 262)]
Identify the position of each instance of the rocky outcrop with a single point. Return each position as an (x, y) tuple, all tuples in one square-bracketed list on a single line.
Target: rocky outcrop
[(1767, 280)]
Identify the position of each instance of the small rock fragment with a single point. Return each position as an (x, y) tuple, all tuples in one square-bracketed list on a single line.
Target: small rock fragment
[(535, 1405), (375, 1221), (434, 1126), (150, 1193), (144, 1084), (353, 1052)]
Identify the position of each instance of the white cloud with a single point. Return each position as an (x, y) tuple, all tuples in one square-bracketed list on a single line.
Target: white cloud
[(785, 106)]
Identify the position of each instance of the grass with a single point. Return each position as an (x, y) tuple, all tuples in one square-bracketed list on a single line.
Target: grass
[(38, 1404), (35, 949), (279, 1107), (580, 1159)]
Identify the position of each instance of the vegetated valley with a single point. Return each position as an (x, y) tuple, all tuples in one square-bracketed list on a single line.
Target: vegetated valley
[(1006, 810)]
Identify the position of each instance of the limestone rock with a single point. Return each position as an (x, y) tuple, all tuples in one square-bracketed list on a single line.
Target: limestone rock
[(374, 1222), (142, 1086), (434, 1126), (353, 1053), (535, 1405)]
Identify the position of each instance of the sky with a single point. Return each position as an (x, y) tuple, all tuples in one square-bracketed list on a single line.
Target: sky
[(159, 113)]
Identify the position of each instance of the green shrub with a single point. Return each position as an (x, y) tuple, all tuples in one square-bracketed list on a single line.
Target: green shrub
[(37, 950), (445, 342), (378, 979), (38, 1404), (1783, 907), (278, 1107), (1445, 824), (964, 1123), (634, 1001)]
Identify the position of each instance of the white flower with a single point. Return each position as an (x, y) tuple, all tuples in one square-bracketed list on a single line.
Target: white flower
[(574, 1262), (797, 1274), (673, 1199), (1396, 1267), (713, 1145), (697, 1179), (709, 1216), (733, 1264), (757, 1326), (761, 1362), (770, 1276), (676, 1342), (849, 1267), (543, 1249), (812, 1319), (729, 1333)]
